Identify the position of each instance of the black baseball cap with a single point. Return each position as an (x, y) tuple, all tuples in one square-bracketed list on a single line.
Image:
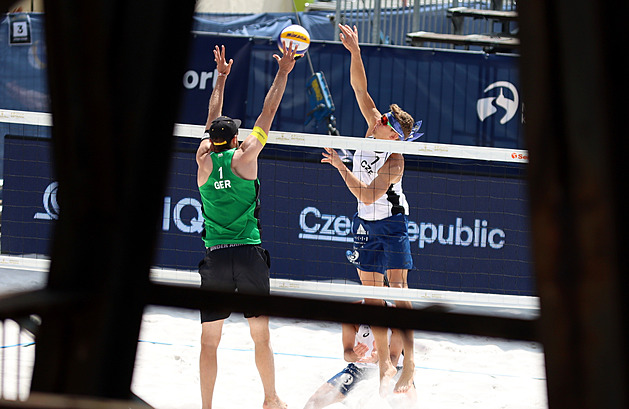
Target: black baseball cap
[(224, 128)]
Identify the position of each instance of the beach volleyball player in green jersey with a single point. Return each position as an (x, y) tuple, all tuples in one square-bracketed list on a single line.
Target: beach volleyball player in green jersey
[(234, 260)]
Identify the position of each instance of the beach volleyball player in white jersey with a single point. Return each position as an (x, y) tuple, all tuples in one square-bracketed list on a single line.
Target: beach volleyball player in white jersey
[(380, 227), (360, 352)]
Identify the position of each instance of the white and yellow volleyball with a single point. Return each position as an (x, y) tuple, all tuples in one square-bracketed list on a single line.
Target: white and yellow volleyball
[(295, 34)]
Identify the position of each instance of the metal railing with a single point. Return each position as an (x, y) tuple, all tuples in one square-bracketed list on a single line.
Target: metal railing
[(388, 21)]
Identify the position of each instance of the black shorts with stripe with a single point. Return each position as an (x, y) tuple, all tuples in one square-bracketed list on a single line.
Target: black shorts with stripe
[(243, 269)]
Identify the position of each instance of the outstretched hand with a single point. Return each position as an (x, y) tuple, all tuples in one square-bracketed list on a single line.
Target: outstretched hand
[(287, 61), (222, 66), (332, 157), (349, 37), (371, 359), (361, 350)]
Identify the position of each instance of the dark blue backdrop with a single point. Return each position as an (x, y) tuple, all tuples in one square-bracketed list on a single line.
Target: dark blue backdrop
[(469, 221), (467, 98), (462, 98)]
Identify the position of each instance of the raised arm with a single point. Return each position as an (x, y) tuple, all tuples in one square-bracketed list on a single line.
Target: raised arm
[(358, 77), (245, 159), (391, 172), (223, 68), (348, 332), (215, 105), (276, 92)]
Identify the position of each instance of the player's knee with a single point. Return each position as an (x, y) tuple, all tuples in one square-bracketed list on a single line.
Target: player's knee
[(260, 334), (310, 404), (261, 337), (316, 402), (397, 284), (210, 343), (397, 278)]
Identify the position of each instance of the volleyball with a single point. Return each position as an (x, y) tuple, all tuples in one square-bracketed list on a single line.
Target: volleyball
[(295, 34)]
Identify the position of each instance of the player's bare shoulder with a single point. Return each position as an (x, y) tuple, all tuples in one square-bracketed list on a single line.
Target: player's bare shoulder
[(396, 164)]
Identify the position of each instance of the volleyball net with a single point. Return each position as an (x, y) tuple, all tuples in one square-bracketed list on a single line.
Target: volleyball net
[(468, 219)]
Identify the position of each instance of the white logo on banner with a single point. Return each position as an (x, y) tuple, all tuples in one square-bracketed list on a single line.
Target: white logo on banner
[(331, 228), (459, 234), (315, 225), (50, 204), (194, 225), (486, 107), (193, 79)]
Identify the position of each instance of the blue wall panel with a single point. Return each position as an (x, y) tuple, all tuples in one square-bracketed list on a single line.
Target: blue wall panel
[(444, 88), (468, 221)]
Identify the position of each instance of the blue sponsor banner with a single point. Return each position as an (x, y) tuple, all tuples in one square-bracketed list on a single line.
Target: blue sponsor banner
[(23, 81), (200, 76), (468, 220), (468, 224), (180, 245), (29, 202), (463, 98)]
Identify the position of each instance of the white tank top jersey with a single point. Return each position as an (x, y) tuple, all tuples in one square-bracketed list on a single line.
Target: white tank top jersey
[(365, 336), (366, 166)]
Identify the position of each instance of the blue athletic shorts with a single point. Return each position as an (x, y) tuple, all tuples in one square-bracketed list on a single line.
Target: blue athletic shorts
[(381, 245), (345, 380), (349, 377)]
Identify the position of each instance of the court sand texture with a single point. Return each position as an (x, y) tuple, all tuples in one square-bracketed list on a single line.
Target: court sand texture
[(452, 371)]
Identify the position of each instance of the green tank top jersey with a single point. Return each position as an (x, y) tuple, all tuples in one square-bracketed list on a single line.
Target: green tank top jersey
[(230, 205)]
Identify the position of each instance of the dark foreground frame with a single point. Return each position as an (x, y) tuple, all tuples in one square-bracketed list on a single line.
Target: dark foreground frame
[(92, 306)]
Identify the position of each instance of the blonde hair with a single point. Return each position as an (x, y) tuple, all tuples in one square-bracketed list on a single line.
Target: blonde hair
[(404, 118)]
